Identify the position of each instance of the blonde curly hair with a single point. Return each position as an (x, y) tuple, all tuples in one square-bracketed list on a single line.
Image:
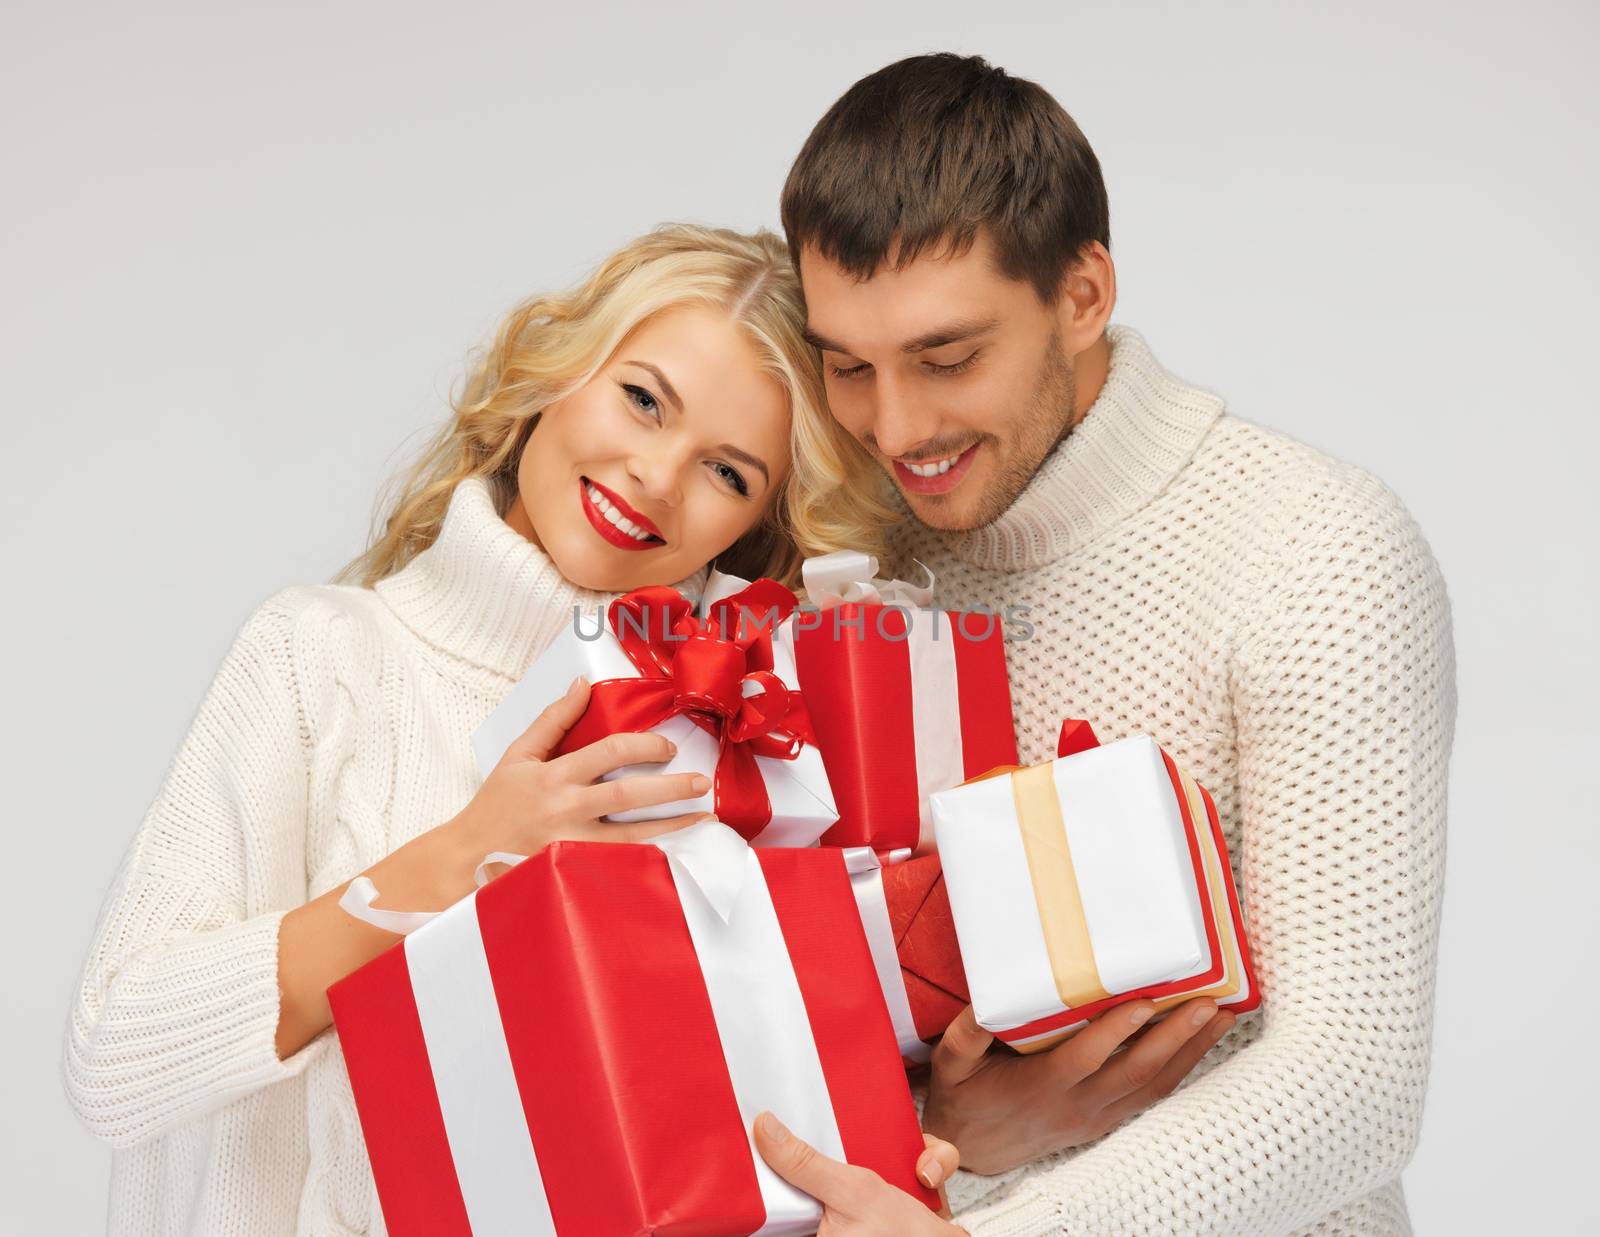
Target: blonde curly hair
[(833, 496)]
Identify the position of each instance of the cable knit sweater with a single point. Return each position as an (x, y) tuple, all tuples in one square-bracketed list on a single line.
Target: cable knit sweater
[(1275, 619), (338, 727)]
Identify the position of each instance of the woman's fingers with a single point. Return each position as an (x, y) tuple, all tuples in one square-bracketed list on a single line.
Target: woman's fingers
[(837, 1186), (644, 830), (938, 1161), (594, 761), (551, 726), (638, 790)]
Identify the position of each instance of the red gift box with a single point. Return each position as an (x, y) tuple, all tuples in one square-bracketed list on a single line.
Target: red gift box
[(582, 1045), (925, 940), (903, 702)]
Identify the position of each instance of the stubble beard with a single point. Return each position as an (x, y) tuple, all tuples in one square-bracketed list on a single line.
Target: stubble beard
[(1046, 420)]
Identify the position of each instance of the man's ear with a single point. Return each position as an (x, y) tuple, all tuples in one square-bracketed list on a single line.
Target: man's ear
[(1088, 295)]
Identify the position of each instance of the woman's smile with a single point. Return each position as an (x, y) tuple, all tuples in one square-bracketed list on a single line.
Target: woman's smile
[(615, 520)]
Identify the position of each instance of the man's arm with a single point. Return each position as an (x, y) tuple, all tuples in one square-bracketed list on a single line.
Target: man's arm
[(1345, 703)]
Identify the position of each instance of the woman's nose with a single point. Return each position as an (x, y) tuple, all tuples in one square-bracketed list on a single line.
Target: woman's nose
[(659, 475)]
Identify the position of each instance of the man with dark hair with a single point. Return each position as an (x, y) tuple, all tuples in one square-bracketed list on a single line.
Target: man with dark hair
[(1271, 616)]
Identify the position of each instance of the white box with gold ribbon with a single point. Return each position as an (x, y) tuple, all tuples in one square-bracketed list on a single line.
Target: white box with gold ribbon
[(1097, 878)]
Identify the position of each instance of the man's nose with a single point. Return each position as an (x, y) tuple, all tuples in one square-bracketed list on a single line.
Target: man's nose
[(901, 420)]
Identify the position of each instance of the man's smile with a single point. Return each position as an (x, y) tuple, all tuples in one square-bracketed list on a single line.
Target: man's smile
[(935, 476)]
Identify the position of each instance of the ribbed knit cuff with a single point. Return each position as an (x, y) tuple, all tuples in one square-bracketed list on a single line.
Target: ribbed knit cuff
[(1022, 1213), (184, 1029)]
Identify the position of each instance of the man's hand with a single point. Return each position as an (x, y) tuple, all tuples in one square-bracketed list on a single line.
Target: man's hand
[(1004, 1109), (856, 1202)]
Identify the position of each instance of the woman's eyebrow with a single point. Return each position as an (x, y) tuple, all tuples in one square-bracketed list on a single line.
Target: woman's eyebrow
[(666, 386), (745, 457)]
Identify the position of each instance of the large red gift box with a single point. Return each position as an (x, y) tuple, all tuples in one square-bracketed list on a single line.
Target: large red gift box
[(583, 1044)]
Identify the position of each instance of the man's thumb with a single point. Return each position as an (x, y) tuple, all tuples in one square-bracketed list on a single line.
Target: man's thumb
[(961, 1049)]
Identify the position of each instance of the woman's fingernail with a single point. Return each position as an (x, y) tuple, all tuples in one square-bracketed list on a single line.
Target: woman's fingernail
[(700, 783), (575, 684), (1141, 1015), (1224, 1025), (1202, 1016), (775, 1130), (932, 1174)]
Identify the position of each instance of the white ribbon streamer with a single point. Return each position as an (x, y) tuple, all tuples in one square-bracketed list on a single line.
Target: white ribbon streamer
[(866, 882), (358, 898)]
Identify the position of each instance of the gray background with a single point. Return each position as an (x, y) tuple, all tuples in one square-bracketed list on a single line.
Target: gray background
[(244, 255)]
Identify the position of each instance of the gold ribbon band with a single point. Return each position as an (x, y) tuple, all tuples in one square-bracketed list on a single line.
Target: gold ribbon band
[(1055, 886)]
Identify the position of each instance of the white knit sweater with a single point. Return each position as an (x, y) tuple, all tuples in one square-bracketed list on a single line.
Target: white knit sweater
[(338, 728), (1275, 619)]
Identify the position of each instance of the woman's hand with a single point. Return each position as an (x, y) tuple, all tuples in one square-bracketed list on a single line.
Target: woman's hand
[(532, 798), (528, 801), (856, 1202)]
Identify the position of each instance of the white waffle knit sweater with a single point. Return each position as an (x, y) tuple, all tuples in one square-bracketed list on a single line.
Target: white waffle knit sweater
[(338, 727), (1275, 620)]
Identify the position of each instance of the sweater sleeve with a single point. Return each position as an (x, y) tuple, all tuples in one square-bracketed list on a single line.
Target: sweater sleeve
[(177, 1010), (1344, 697)]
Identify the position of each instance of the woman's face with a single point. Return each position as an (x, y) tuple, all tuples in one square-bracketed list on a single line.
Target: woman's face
[(668, 455)]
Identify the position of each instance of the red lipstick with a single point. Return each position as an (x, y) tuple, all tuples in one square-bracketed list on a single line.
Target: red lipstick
[(588, 488)]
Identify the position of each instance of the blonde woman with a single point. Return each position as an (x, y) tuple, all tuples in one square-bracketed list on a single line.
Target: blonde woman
[(664, 415)]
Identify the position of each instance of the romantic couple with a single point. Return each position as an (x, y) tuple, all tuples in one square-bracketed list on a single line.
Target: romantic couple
[(926, 369)]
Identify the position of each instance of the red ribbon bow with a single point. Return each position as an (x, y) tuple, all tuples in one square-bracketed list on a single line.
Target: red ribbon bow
[(699, 668)]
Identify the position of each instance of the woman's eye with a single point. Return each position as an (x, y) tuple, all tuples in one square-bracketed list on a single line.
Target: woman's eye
[(642, 400), (732, 476), (849, 371)]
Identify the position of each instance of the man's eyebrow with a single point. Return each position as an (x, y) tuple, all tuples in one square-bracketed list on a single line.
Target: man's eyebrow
[(823, 344), (666, 386), (745, 457), (955, 332), (951, 333)]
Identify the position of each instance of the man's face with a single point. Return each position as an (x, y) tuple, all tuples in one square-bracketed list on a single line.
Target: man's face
[(951, 375)]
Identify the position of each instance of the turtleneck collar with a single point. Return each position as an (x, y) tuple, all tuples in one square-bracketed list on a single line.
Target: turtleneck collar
[(1144, 426), (483, 592)]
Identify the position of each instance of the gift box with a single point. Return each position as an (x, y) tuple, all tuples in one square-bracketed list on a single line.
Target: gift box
[(582, 1045), (906, 913), (717, 685), (1099, 878), (905, 700)]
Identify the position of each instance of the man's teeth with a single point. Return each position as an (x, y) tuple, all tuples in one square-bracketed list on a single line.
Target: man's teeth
[(613, 516), (935, 468)]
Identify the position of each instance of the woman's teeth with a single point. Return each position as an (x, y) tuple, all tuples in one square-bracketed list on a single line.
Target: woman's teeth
[(614, 516), (935, 468)]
